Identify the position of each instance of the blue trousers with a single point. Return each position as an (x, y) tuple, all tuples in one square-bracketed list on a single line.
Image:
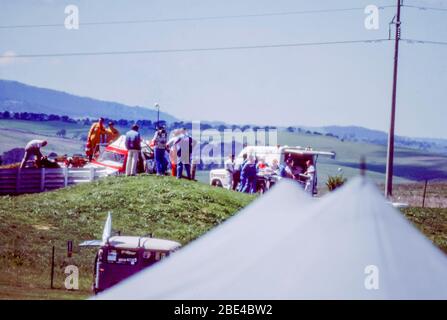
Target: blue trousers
[(160, 160), (180, 167), (242, 184), (249, 186)]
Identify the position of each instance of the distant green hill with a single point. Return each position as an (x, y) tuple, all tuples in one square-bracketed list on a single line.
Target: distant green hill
[(31, 224), (361, 134), (19, 97)]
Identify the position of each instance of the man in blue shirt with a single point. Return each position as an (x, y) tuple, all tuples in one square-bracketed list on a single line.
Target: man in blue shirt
[(248, 176), (133, 145)]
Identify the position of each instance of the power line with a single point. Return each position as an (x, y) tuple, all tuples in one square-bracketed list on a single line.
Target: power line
[(425, 8), (417, 41), (157, 51), (186, 19)]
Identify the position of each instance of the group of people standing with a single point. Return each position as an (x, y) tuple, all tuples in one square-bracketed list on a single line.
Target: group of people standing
[(175, 152), (243, 176), (178, 149), (304, 175)]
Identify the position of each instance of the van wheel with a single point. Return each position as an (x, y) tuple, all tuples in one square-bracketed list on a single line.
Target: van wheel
[(216, 183), (94, 290)]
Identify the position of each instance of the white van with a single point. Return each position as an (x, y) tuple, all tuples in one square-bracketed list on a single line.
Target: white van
[(220, 177)]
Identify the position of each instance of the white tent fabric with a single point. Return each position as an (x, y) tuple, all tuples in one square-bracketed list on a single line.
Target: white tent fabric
[(120, 143), (284, 246), (223, 250)]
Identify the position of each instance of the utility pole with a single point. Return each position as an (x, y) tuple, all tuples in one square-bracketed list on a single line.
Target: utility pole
[(390, 154), (157, 106)]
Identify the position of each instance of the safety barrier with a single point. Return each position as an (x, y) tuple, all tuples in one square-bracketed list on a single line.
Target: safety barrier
[(18, 181)]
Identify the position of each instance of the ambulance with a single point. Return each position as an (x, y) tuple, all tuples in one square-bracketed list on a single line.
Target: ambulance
[(271, 155)]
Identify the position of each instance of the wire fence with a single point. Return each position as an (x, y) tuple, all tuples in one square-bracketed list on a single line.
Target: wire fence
[(37, 267), (427, 194)]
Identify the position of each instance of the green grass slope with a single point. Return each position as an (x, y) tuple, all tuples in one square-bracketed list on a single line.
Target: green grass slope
[(31, 224), (432, 222)]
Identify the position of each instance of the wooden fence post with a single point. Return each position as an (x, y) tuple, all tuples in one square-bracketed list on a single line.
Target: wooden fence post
[(65, 176), (19, 171), (425, 191), (52, 269), (92, 174)]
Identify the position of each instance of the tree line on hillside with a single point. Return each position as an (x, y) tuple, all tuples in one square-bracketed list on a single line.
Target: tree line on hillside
[(30, 116), (315, 133), (145, 124), (148, 124)]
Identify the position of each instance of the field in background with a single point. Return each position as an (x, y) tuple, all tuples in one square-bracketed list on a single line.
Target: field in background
[(16, 133), (46, 128), (10, 139), (50, 128)]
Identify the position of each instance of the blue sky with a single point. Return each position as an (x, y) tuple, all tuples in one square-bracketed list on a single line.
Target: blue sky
[(347, 84)]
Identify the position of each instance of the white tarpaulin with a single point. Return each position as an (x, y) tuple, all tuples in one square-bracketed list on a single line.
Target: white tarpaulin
[(349, 245)]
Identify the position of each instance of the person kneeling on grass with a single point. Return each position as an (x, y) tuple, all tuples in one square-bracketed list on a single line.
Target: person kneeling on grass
[(33, 149), (133, 145)]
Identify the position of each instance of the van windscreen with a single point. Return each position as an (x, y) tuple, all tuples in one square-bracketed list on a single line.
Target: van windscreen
[(122, 256)]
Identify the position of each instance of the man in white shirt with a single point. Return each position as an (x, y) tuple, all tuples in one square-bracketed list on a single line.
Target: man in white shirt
[(172, 147), (310, 174), (229, 166), (184, 145), (33, 149)]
